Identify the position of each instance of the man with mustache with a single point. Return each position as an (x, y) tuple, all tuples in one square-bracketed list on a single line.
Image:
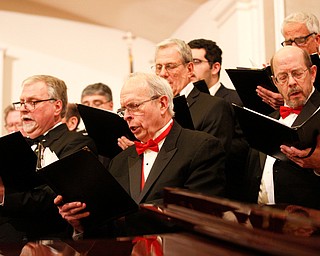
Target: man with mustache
[(301, 30), (29, 215), (271, 181)]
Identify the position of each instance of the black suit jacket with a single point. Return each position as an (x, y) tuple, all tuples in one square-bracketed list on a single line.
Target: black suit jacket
[(292, 184), (236, 158), (212, 115), (188, 159), (228, 95), (33, 212)]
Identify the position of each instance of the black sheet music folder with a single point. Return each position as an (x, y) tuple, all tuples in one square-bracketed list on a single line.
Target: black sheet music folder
[(81, 177), (182, 112), (18, 163), (266, 134), (202, 86), (104, 127), (246, 80)]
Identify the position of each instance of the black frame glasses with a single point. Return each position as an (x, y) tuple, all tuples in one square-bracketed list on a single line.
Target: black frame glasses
[(134, 107), (298, 40), (30, 105)]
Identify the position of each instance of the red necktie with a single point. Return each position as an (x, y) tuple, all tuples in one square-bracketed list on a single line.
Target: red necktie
[(152, 145), (147, 246), (285, 111)]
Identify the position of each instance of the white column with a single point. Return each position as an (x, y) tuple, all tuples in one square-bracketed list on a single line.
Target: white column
[(279, 15), (2, 55)]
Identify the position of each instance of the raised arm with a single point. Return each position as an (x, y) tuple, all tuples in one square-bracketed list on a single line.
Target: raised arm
[(273, 99)]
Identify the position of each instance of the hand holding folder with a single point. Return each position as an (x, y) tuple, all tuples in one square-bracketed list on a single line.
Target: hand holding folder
[(105, 127), (80, 177), (267, 134), (246, 80)]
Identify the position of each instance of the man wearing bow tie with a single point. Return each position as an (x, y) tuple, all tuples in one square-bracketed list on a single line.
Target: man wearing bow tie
[(29, 215), (272, 181), (166, 156)]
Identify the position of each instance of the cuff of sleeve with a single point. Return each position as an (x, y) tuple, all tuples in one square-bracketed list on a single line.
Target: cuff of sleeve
[(2, 200), (77, 235), (317, 171)]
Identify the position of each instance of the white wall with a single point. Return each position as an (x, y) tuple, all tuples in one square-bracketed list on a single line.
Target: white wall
[(235, 25), (81, 54), (77, 53)]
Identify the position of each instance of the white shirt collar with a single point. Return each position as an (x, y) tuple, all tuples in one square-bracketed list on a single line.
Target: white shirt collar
[(213, 89), (186, 90)]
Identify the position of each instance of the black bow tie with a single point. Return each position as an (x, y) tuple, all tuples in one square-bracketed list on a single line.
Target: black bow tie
[(35, 141)]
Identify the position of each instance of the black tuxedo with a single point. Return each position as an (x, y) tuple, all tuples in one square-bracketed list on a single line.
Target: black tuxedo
[(188, 159), (292, 184), (212, 115), (228, 95), (33, 212), (236, 158)]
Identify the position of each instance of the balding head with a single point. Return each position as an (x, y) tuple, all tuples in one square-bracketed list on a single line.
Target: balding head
[(293, 74)]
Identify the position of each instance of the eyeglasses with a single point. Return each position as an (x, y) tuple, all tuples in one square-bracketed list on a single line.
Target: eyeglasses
[(133, 108), (95, 103), (198, 61), (169, 67), (298, 75), (30, 105), (298, 41)]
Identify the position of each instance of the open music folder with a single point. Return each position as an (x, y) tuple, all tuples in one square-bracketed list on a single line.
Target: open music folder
[(18, 163), (246, 80), (182, 113), (81, 177), (104, 127), (266, 134), (202, 86)]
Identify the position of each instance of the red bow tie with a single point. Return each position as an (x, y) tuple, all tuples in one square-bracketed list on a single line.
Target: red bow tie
[(141, 147), (152, 144), (285, 111)]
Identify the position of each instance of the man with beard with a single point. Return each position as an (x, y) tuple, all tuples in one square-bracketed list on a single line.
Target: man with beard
[(271, 181)]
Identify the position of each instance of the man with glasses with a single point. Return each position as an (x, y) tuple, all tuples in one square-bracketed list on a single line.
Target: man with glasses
[(167, 154), (173, 61), (97, 95), (283, 182), (207, 60), (31, 214), (301, 30), (12, 120)]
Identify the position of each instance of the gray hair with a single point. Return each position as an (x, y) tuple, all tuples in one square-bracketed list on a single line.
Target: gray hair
[(57, 88), (157, 85), (309, 19), (182, 47), (99, 89)]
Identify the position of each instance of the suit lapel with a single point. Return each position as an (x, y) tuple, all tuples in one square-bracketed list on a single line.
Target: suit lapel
[(54, 135), (192, 97), (222, 92), (164, 156), (135, 163), (311, 106)]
